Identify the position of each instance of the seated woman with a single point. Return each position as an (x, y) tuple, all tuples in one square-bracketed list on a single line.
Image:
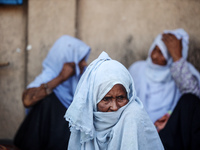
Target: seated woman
[(164, 79), (106, 113), (49, 96)]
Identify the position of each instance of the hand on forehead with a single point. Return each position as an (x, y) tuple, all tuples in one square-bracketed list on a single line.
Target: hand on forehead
[(174, 45), (169, 36)]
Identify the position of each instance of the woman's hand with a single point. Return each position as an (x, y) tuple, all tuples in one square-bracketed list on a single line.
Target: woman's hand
[(3, 147), (174, 46), (32, 95), (160, 123), (68, 70)]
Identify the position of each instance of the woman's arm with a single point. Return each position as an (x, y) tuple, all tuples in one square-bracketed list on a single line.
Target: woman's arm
[(184, 79), (32, 95)]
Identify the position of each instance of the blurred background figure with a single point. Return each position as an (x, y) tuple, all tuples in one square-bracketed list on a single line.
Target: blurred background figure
[(161, 81), (50, 94)]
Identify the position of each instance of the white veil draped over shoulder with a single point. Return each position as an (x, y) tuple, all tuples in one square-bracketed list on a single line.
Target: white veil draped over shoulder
[(126, 129)]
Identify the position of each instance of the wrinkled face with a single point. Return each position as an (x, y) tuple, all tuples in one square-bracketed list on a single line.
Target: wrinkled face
[(114, 99), (82, 64), (157, 57)]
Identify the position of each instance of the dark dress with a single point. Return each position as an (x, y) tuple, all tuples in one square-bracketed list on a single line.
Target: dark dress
[(44, 128), (182, 131)]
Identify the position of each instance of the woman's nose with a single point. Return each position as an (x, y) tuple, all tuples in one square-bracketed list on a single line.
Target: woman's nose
[(154, 55), (113, 106)]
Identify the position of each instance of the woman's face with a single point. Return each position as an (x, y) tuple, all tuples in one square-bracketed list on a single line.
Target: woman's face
[(114, 99), (157, 57), (82, 64)]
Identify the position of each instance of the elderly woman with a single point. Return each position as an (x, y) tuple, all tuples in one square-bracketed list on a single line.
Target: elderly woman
[(165, 81), (106, 113), (49, 96)]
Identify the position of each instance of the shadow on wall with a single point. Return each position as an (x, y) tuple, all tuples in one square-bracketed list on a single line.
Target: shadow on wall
[(194, 53), (130, 55)]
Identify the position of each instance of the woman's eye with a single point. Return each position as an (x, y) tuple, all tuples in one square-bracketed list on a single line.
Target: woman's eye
[(120, 97), (106, 99)]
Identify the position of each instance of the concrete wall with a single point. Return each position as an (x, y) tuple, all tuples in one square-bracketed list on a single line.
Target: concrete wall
[(124, 29), (47, 21), (12, 50)]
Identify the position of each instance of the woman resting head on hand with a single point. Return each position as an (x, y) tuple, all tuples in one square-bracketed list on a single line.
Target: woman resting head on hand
[(106, 113)]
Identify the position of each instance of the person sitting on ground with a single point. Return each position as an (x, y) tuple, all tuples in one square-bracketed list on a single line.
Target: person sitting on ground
[(162, 81), (49, 96), (106, 113)]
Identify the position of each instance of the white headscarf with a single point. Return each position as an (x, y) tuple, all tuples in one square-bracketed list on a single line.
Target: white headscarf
[(126, 129), (154, 83), (65, 49)]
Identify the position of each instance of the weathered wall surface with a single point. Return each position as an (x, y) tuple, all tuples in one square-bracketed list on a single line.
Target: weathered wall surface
[(124, 29), (12, 46), (47, 21)]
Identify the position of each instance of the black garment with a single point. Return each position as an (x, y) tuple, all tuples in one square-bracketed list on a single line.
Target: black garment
[(44, 128), (182, 131)]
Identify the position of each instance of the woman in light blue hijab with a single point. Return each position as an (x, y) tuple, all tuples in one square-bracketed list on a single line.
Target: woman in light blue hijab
[(155, 84), (50, 94), (169, 87), (106, 113)]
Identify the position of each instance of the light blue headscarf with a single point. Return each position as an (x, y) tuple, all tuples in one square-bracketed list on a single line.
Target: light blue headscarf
[(159, 73), (126, 129), (154, 83), (65, 49)]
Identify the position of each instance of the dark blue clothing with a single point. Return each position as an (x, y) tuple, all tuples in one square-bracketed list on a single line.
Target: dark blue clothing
[(44, 128), (182, 131)]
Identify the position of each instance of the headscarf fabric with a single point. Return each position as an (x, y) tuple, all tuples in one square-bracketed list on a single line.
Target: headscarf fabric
[(126, 129), (154, 83), (65, 49)]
